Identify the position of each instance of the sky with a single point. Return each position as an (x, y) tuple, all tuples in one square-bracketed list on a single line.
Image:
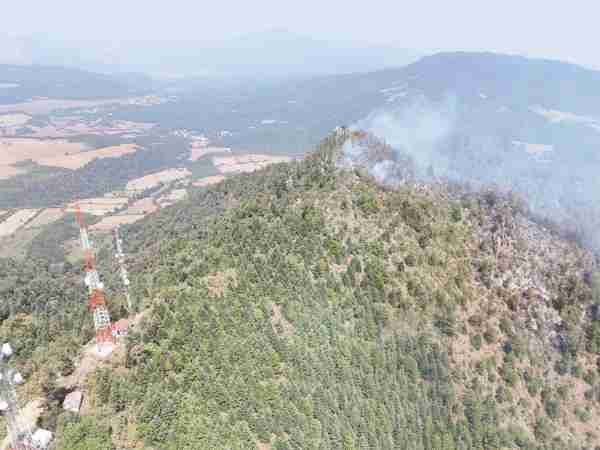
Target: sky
[(550, 28)]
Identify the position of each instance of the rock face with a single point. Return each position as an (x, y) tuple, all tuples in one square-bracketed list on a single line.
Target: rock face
[(73, 401)]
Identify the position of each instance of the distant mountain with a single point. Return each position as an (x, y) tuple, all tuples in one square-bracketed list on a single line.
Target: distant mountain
[(23, 82), (264, 55), (309, 306), (531, 125), (279, 53)]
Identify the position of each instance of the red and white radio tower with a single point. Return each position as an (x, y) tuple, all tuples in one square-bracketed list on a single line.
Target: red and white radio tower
[(98, 305)]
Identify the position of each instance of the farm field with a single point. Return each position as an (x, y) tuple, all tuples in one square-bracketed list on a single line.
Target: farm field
[(207, 181), (111, 222), (53, 153), (70, 126), (46, 106), (78, 160), (155, 179), (143, 206), (16, 245), (46, 217), (246, 163), (198, 152), (99, 206), (15, 150), (12, 224)]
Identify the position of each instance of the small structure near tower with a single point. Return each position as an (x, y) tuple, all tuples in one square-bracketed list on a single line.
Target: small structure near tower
[(73, 402), (121, 329)]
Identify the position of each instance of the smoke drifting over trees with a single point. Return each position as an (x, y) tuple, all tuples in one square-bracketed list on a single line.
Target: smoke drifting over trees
[(446, 140)]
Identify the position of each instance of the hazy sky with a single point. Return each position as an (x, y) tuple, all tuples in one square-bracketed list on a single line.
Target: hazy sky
[(558, 29)]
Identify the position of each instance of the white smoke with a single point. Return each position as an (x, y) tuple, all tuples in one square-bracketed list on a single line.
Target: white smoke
[(433, 136), (413, 130), (383, 172)]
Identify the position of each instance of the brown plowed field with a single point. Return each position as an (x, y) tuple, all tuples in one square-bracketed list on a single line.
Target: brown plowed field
[(207, 181), (155, 179), (111, 222), (99, 206), (14, 150), (12, 224), (246, 163), (46, 217), (77, 161)]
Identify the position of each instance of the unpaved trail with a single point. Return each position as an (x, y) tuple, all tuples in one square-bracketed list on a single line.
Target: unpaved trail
[(90, 359)]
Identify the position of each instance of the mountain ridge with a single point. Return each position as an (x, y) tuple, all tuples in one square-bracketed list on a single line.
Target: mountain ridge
[(304, 306)]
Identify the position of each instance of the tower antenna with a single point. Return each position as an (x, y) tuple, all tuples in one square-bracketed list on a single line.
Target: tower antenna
[(98, 303)]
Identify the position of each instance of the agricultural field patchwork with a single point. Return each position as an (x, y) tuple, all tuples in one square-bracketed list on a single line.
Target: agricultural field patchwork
[(57, 155)]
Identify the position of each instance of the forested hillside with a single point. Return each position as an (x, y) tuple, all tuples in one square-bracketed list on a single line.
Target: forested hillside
[(307, 307)]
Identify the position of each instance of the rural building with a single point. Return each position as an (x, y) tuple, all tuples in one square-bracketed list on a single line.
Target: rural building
[(121, 328), (73, 402)]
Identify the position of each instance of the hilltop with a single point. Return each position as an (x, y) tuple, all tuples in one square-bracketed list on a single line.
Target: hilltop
[(306, 306)]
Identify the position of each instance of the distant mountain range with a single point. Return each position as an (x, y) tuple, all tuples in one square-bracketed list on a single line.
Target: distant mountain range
[(20, 83), (264, 55), (533, 125), (526, 124)]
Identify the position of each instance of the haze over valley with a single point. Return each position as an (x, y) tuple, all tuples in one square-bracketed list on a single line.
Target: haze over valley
[(213, 237)]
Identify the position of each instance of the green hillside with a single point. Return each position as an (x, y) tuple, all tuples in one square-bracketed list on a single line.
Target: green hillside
[(306, 307)]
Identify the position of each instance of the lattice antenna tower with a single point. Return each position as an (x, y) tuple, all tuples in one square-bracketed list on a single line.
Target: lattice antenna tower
[(98, 303), (19, 432), (122, 267)]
